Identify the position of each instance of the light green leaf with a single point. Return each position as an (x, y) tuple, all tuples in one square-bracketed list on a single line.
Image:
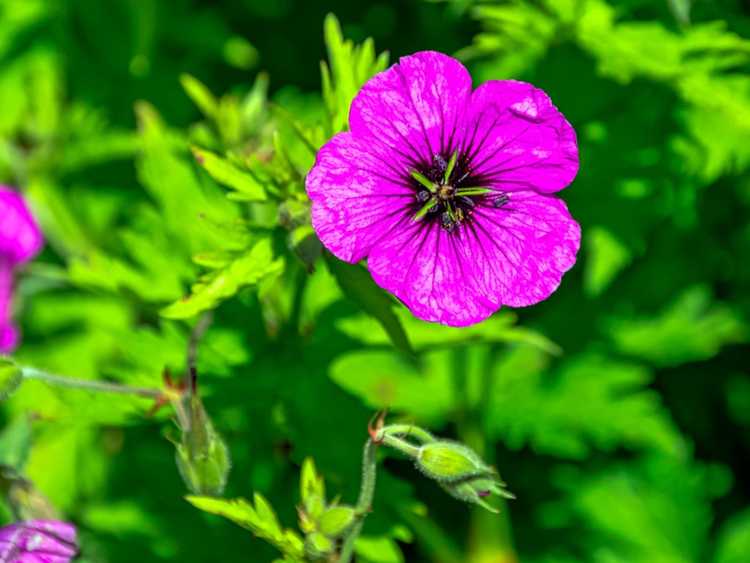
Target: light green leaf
[(734, 539), (350, 67), (589, 401), (260, 520), (224, 172), (691, 328), (388, 380), (247, 269), (201, 95), (606, 258)]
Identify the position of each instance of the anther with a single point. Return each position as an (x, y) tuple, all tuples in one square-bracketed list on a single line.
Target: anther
[(501, 200)]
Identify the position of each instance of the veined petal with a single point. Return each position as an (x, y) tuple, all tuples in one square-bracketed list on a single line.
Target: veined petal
[(356, 197), (519, 252), (20, 237), (414, 107), (46, 541), (515, 138), (424, 267)]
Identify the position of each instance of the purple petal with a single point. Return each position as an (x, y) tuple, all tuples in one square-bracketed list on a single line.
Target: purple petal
[(515, 255), (8, 338), (520, 251), (20, 237), (410, 111), (356, 199), (425, 266), (517, 139), (38, 541)]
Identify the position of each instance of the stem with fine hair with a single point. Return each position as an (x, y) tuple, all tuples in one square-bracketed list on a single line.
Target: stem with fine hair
[(364, 503), (84, 384)]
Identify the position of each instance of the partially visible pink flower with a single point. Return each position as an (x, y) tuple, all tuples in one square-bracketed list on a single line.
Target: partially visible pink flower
[(447, 191), (20, 240), (38, 541)]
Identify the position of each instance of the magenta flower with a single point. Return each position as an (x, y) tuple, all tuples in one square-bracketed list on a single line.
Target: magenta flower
[(38, 541), (447, 191), (20, 241)]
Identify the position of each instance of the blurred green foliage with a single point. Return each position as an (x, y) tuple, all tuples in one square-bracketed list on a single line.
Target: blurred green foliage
[(163, 147)]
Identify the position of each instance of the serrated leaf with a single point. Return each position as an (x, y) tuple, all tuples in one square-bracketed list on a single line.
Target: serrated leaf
[(589, 401), (691, 328), (260, 520), (247, 269), (226, 173), (349, 68)]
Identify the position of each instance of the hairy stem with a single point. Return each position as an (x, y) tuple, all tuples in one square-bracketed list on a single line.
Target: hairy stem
[(408, 431), (364, 503), (99, 386)]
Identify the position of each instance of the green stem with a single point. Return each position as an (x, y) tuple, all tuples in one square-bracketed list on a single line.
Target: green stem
[(364, 503), (403, 446), (408, 430), (99, 386)]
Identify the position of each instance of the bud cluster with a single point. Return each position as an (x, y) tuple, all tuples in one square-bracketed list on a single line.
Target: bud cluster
[(323, 523)]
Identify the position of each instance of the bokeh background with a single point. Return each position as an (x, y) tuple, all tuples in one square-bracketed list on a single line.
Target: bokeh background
[(618, 411)]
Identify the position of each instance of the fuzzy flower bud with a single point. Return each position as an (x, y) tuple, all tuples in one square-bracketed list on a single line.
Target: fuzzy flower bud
[(202, 456), (461, 472)]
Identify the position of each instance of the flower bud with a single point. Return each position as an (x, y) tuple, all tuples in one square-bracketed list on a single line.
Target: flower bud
[(461, 472), (317, 545), (202, 456), (336, 520), (476, 490), (449, 462)]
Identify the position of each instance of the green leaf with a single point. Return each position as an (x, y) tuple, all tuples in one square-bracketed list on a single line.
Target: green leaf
[(691, 328), (201, 95), (653, 509), (357, 284), (499, 328), (387, 380), (15, 443), (247, 269), (10, 377), (588, 401), (734, 539), (259, 519), (336, 520), (350, 67), (606, 258), (224, 172)]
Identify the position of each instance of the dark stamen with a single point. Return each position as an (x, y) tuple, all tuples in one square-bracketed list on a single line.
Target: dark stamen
[(501, 200), (423, 196), (446, 190)]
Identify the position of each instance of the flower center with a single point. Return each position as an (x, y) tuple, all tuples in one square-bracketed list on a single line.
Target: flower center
[(446, 192)]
